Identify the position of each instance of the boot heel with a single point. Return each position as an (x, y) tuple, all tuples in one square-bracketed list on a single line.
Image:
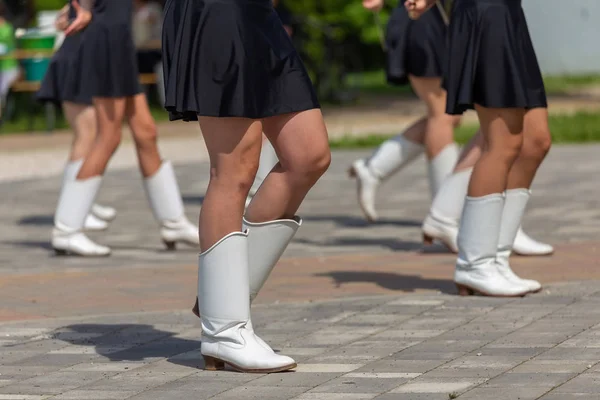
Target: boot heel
[(464, 290), (427, 240), (196, 309), (60, 252), (171, 246), (213, 364), (351, 172)]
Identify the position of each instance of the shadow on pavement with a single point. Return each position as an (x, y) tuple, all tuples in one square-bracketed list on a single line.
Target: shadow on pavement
[(391, 281), (352, 221), (388, 243)]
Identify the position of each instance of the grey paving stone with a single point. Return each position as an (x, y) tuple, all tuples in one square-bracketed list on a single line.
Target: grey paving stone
[(407, 366), (351, 355), (297, 379), (512, 379), (570, 396), (520, 393), (346, 384), (552, 367), (584, 383), (570, 353), (260, 393), (95, 395), (335, 396), (438, 385), (172, 395), (413, 396)]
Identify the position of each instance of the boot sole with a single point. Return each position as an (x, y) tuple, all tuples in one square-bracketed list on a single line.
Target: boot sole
[(215, 364), (66, 253), (428, 241), (172, 245), (533, 255), (464, 290)]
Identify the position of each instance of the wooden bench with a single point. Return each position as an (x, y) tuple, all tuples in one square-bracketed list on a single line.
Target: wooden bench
[(30, 87)]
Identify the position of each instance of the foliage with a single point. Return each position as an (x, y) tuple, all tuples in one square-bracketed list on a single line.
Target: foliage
[(46, 5), (335, 37)]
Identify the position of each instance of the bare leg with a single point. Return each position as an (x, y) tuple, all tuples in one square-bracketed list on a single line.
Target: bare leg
[(233, 146), (536, 144), (144, 133), (481, 226), (286, 186), (110, 113), (160, 182), (78, 196), (224, 265), (439, 131), (82, 119)]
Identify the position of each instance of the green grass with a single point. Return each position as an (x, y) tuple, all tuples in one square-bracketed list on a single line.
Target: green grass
[(374, 82), (21, 122), (563, 84), (582, 127)]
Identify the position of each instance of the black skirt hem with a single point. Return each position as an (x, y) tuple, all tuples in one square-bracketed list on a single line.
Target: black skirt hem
[(192, 115), (461, 108)]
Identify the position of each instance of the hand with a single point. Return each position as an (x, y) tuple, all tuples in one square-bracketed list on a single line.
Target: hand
[(373, 5), (82, 19), (62, 19), (416, 8)]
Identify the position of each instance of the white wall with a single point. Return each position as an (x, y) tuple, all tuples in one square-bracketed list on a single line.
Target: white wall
[(565, 34)]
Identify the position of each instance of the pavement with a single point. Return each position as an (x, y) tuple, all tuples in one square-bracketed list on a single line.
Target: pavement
[(366, 311)]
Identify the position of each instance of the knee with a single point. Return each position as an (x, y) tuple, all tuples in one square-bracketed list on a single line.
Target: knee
[(146, 134), (456, 121), (313, 165), (236, 180), (536, 144), (507, 150), (110, 139)]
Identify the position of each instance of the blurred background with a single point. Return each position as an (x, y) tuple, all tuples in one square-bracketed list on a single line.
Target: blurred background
[(340, 42)]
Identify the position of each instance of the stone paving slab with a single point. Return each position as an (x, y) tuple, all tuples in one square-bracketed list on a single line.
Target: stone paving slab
[(335, 254), (414, 347)]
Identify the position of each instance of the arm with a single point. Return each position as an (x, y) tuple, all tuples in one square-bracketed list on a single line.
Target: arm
[(62, 19), (373, 5), (83, 16)]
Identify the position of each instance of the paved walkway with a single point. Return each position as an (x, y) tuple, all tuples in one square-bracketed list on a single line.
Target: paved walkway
[(387, 348), (41, 155), (364, 310)]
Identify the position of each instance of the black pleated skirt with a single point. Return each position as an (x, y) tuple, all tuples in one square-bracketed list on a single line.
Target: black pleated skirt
[(66, 78), (415, 48), (110, 55), (491, 59), (231, 58)]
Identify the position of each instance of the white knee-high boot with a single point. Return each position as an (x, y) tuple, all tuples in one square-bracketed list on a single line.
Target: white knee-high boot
[(266, 243), (514, 209), (476, 268), (441, 167), (442, 221), (76, 199), (167, 206), (268, 159), (97, 219), (224, 302), (390, 157), (444, 216)]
